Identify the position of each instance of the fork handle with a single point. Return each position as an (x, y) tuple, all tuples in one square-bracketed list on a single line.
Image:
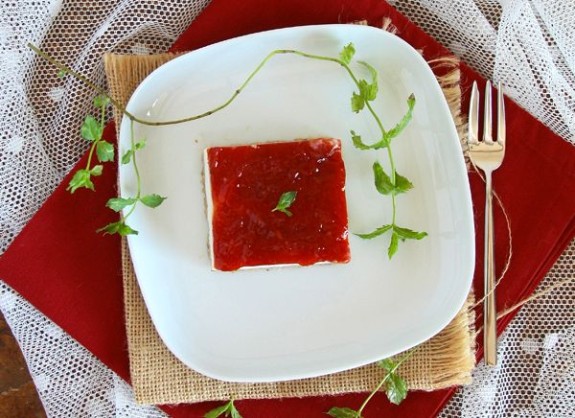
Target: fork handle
[(489, 311)]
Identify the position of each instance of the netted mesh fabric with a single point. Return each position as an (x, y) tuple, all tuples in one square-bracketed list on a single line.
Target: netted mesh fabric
[(41, 113), (535, 376), (71, 382), (528, 45)]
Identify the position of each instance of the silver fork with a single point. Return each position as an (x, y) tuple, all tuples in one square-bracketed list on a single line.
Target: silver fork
[(488, 156)]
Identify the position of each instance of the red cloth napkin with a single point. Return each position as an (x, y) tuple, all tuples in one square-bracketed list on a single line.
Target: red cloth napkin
[(73, 275)]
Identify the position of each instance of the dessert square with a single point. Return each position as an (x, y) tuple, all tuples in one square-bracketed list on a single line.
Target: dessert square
[(247, 190)]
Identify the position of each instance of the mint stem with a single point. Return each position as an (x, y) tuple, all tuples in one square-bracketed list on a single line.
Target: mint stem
[(65, 69), (385, 379), (136, 171)]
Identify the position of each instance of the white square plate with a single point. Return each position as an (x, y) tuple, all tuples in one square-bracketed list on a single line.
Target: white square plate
[(296, 322)]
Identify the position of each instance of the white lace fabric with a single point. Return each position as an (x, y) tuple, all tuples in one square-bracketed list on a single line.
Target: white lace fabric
[(528, 45)]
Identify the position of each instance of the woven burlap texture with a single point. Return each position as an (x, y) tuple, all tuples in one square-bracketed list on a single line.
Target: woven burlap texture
[(158, 377)]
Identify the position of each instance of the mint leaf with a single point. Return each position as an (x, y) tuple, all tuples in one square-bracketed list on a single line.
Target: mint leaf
[(392, 249), (216, 412), (97, 170), (367, 90), (357, 142), (127, 157), (125, 229), (387, 364), (383, 183), (227, 409), (402, 184), (101, 101), (284, 202), (61, 73), (152, 200), (396, 389), (405, 233), (235, 412), (81, 179), (120, 228), (343, 413), (119, 203), (373, 73), (376, 233), (91, 129), (347, 53), (104, 151), (396, 130), (357, 102), (395, 386)]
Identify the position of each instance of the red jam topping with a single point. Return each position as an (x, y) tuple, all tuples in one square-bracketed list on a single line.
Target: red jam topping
[(246, 185)]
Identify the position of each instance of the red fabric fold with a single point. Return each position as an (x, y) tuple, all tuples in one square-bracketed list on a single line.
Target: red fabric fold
[(73, 275)]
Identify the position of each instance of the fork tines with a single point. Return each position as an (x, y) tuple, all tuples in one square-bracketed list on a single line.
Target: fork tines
[(487, 117)]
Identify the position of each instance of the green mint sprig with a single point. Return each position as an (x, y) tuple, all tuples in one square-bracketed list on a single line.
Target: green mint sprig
[(386, 184), (284, 202), (128, 204), (92, 130), (392, 384), (386, 187), (227, 410)]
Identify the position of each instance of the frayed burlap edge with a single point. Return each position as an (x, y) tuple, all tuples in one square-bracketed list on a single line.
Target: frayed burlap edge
[(159, 378)]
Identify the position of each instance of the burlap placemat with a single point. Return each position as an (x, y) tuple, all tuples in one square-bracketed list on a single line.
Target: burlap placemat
[(159, 378)]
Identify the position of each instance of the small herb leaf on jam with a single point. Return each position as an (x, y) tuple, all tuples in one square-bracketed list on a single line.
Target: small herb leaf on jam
[(284, 202)]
